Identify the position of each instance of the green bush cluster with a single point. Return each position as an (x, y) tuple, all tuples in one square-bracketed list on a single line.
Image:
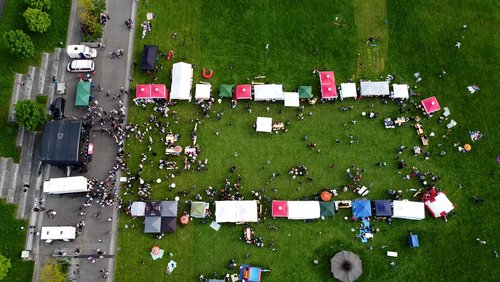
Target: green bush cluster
[(19, 43), (37, 20), (43, 5), (30, 114)]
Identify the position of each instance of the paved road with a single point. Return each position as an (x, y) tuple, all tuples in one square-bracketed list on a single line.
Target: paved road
[(112, 74)]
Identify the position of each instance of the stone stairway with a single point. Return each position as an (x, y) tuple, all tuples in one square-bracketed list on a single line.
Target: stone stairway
[(13, 176)]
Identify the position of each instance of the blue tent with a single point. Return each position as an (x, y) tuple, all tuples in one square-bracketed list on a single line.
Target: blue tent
[(383, 208), (413, 240), (361, 208)]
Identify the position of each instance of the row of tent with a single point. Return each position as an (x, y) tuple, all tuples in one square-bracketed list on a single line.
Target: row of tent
[(363, 208)]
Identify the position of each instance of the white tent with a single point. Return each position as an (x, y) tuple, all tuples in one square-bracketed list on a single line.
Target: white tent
[(439, 206), (408, 210), (264, 124), (400, 91), (303, 209), (62, 185), (182, 81), (236, 211), (292, 99), (268, 92), (58, 233), (138, 209), (203, 91), (348, 90), (374, 88)]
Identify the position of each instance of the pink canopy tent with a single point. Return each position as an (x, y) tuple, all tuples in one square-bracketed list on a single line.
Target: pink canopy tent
[(326, 77), (328, 91), (431, 105), (328, 87), (151, 91), (280, 209), (243, 91)]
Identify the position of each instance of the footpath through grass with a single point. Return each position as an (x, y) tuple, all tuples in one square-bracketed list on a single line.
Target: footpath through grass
[(9, 65), (234, 33), (12, 238)]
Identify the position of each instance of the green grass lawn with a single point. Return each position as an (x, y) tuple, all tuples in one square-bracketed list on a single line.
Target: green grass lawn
[(12, 238), (9, 65), (235, 33)]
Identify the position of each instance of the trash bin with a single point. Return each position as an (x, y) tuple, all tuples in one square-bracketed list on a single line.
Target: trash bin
[(61, 88)]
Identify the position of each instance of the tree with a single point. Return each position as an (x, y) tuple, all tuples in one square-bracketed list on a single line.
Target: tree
[(4, 266), (39, 4), (37, 20), (30, 114), (51, 272), (19, 43), (89, 22)]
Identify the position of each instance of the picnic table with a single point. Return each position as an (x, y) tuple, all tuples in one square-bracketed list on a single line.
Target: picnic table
[(278, 126), (425, 140), (419, 128)]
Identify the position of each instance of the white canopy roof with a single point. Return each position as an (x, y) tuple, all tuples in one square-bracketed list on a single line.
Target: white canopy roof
[(236, 211), (400, 91), (375, 88), (440, 206), (62, 185), (138, 208), (182, 81), (408, 210), (58, 233), (203, 91), (292, 99), (348, 90), (264, 124), (267, 92), (303, 209)]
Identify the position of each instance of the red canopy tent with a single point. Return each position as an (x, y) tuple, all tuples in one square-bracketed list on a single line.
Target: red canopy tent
[(280, 209), (431, 105), (151, 91), (328, 86), (437, 203), (243, 91)]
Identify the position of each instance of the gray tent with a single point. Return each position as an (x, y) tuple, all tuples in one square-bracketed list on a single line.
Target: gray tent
[(152, 224), (168, 224), (346, 266), (327, 208), (138, 208), (169, 208), (149, 54)]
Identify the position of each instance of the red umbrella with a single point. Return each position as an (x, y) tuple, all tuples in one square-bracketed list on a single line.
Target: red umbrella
[(326, 196)]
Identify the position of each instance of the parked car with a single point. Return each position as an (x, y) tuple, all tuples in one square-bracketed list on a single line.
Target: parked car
[(81, 66), (57, 108)]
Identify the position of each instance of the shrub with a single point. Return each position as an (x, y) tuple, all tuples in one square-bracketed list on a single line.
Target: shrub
[(37, 20), (30, 114), (5, 265), (19, 43), (39, 4)]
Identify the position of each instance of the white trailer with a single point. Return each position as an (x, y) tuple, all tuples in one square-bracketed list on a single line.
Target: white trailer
[(64, 185), (81, 52), (65, 233)]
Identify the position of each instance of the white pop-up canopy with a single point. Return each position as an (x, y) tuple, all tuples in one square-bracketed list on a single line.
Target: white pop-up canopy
[(303, 209), (348, 90), (236, 211), (268, 92), (203, 91), (182, 81), (375, 88), (138, 209), (292, 99), (58, 233), (63, 185), (408, 210), (264, 124), (400, 91)]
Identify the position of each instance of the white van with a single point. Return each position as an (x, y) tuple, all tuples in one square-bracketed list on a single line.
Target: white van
[(81, 52), (81, 66)]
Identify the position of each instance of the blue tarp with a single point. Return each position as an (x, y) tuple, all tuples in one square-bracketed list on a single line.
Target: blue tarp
[(361, 208), (383, 208), (413, 241)]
